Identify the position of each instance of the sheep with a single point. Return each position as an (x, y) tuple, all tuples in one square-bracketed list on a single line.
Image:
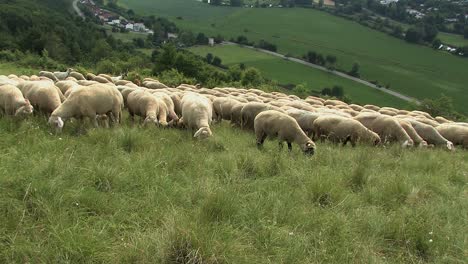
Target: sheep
[(107, 77), (169, 103), (154, 84), (457, 134), (90, 76), (125, 92), (223, 106), (118, 78), (197, 114), (251, 110), (430, 134), (122, 82), (305, 119), (277, 124), (236, 111), (148, 106), (78, 76), (43, 95), (24, 77), (417, 139), (64, 86), (12, 101), (63, 75), (387, 127), (342, 129), (88, 101), (49, 75), (86, 82), (372, 107), (442, 120), (101, 79), (334, 102)]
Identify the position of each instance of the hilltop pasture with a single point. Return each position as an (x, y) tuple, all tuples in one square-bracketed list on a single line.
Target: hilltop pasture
[(414, 70)]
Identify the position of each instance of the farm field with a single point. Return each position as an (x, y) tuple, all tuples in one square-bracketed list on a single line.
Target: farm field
[(286, 72), (156, 195), (453, 39), (413, 70)]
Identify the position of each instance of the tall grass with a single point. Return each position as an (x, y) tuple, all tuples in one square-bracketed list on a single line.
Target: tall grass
[(157, 195)]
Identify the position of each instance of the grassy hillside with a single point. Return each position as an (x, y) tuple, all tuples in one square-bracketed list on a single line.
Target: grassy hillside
[(156, 195), (411, 69), (453, 39), (289, 72)]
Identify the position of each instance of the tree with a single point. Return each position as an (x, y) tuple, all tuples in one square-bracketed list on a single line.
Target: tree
[(209, 58), (311, 56), (430, 33), (320, 59), (165, 59), (201, 39), (436, 43), (236, 2), (355, 70), (413, 35), (216, 61), (331, 60), (252, 77), (321, 2), (337, 91), (465, 33), (326, 91)]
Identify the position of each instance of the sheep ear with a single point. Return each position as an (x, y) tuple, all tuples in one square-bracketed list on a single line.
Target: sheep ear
[(60, 122)]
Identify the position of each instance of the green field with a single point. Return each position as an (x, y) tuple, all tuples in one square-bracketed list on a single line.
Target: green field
[(453, 39), (132, 195), (125, 37), (286, 72), (410, 69)]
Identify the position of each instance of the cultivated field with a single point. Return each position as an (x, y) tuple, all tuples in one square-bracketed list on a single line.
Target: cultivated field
[(286, 72), (410, 69)]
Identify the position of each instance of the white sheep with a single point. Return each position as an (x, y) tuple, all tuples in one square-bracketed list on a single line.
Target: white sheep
[(387, 127), (457, 134), (44, 95), (12, 101), (49, 75), (197, 114), (148, 106), (272, 123), (63, 75)]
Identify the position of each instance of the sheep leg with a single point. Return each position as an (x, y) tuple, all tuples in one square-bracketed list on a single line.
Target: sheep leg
[(261, 140), (280, 145), (348, 138), (289, 146)]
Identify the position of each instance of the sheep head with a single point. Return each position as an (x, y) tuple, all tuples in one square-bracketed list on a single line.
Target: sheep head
[(203, 133), (150, 120), (309, 148), (25, 110), (56, 122), (450, 146)]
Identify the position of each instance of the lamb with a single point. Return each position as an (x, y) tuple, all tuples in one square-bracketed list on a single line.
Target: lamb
[(457, 134), (430, 134), (387, 127), (49, 75), (78, 76), (63, 75), (277, 124), (251, 110), (417, 139), (43, 95), (88, 101), (148, 106), (197, 114), (342, 129), (12, 101)]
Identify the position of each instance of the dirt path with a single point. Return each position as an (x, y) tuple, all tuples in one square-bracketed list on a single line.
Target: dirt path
[(341, 74), (77, 10)]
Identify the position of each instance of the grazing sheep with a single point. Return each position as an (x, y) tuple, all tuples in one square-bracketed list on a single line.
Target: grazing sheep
[(169, 103), (236, 112), (63, 75), (154, 85), (148, 106), (272, 123), (107, 77), (305, 119), (122, 82), (417, 139), (251, 110), (197, 114), (101, 79), (430, 134), (118, 78), (334, 102), (91, 102), (125, 92), (90, 76), (222, 107), (78, 76), (387, 127), (49, 75), (12, 101), (442, 120), (342, 129), (64, 86), (44, 95), (457, 134), (372, 107)]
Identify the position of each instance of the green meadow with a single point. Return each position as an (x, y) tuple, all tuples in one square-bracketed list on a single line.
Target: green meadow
[(286, 72)]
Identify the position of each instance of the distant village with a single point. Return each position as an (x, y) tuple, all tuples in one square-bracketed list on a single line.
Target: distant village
[(115, 20)]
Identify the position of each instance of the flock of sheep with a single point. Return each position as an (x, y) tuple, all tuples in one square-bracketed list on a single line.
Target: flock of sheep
[(102, 98)]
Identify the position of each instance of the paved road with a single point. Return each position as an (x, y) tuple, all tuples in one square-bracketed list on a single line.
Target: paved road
[(77, 10), (344, 75)]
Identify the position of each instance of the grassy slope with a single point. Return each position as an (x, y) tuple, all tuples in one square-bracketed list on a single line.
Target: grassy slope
[(289, 72), (411, 69), (134, 195), (453, 39)]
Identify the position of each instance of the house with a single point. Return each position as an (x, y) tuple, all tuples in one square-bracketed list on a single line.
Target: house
[(114, 22), (387, 2), (129, 26), (139, 27), (172, 35), (211, 42)]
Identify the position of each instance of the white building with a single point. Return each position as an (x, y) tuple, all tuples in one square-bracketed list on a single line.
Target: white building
[(139, 27), (114, 22), (129, 26), (211, 42), (387, 2)]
